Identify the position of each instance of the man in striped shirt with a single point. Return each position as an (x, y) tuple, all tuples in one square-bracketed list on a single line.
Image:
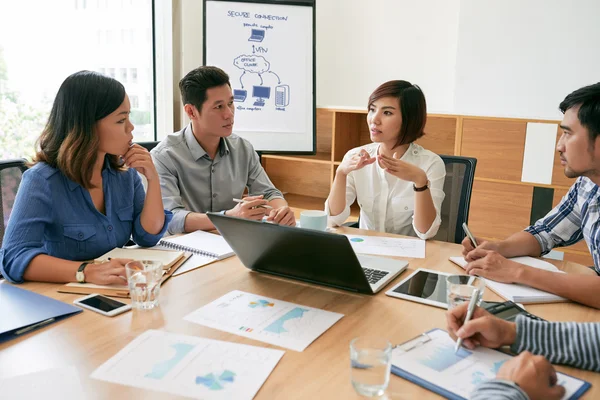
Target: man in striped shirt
[(574, 219), (527, 376)]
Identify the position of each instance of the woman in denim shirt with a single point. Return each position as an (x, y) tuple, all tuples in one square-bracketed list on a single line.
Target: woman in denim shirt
[(80, 200)]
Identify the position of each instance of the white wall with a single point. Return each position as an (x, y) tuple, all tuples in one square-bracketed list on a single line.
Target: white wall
[(512, 58), (520, 58), (361, 44)]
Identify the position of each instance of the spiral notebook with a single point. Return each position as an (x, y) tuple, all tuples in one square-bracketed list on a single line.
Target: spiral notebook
[(201, 243)]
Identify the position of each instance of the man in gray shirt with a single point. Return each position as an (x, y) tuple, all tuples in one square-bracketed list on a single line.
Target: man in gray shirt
[(204, 166)]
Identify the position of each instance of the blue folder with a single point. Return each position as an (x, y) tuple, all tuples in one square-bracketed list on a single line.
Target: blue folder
[(20, 309), (453, 396)]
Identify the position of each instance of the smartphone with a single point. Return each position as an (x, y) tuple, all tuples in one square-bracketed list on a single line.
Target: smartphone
[(469, 234), (102, 305)]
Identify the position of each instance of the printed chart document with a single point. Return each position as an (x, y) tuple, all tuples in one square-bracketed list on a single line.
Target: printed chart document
[(385, 246), (190, 366), (430, 361), (50, 384), (261, 318), (520, 293)]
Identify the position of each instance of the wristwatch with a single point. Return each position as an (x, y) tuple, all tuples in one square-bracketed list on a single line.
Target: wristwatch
[(79, 275), (422, 188)]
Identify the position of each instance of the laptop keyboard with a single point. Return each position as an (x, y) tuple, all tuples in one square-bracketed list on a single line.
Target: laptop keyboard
[(374, 275)]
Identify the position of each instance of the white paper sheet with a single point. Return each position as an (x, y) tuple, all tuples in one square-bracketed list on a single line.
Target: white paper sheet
[(50, 384), (435, 361), (538, 157), (385, 246), (190, 366), (195, 261), (261, 318)]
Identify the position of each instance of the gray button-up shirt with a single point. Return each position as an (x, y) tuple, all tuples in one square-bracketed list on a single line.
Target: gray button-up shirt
[(191, 181)]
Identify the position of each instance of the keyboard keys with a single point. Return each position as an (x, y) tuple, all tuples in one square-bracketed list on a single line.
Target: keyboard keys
[(374, 275)]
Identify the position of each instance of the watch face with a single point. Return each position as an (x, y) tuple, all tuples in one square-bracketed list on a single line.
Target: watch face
[(80, 276)]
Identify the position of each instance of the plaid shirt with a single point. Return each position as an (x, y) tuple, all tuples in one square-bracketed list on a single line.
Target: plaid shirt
[(576, 217)]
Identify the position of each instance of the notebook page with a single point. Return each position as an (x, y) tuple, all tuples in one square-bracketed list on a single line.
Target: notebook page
[(202, 241)]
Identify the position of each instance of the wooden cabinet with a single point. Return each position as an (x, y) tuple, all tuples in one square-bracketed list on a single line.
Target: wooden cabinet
[(501, 204)]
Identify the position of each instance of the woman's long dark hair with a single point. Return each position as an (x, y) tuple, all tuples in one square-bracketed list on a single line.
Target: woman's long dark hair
[(69, 141)]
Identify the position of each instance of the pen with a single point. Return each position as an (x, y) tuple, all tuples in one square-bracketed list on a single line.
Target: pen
[(34, 326), (469, 234), (242, 200), (472, 304)]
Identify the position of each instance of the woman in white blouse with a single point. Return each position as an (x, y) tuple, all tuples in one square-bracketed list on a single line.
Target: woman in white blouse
[(398, 184)]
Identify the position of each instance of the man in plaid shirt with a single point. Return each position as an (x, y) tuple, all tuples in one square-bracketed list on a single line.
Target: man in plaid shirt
[(575, 218)]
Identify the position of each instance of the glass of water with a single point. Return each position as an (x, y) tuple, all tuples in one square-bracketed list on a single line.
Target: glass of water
[(143, 278), (370, 363), (460, 289)]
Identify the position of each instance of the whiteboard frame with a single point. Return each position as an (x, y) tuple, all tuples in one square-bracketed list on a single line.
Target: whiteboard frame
[(305, 3)]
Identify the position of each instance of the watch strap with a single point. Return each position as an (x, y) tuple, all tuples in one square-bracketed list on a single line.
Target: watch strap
[(82, 266)]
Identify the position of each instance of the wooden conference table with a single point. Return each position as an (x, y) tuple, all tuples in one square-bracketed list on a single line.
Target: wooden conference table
[(322, 371)]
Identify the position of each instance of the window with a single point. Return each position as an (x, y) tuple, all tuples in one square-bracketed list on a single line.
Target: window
[(26, 95), (135, 101), (133, 72)]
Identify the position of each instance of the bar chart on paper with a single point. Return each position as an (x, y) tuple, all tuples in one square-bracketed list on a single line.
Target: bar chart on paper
[(269, 320), (190, 366)]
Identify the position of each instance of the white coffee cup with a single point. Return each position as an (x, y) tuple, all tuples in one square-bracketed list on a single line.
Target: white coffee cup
[(313, 219)]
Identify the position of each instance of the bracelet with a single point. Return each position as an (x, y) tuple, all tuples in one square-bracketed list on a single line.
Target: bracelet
[(422, 188)]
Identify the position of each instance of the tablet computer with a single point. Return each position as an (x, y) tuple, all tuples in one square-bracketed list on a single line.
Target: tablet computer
[(423, 286)]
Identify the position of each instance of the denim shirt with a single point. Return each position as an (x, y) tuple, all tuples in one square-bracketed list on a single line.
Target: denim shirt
[(55, 216)]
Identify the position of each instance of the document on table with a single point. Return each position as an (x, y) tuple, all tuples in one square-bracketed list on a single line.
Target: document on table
[(386, 246), (50, 384), (430, 361), (190, 366), (269, 320)]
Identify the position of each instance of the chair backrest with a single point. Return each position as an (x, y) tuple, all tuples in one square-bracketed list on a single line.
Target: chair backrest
[(148, 145), (11, 172), (460, 173)]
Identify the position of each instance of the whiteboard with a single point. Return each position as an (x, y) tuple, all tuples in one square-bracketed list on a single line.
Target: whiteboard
[(268, 51)]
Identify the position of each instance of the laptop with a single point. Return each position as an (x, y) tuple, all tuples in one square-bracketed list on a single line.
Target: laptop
[(239, 95), (257, 35), (306, 255)]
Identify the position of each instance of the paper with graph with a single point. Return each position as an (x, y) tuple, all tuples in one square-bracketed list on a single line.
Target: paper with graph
[(387, 246), (190, 366), (269, 320), (431, 358)]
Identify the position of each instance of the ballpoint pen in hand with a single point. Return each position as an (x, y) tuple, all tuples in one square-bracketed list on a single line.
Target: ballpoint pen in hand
[(469, 234), (261, 206), (471, 309)]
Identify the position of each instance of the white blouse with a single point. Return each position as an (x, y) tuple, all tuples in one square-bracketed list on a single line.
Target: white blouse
[(386, 202)]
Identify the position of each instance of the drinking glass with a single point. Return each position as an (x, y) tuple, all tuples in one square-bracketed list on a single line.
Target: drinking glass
[(143, 278), (370, 363), (460, 288)]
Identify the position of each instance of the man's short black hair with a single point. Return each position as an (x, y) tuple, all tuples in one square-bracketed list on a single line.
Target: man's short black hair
[(588, 100), (194, 85)]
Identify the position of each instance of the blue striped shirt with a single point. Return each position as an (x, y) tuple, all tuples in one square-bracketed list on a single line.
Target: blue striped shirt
[(576, 217), (55, 216)]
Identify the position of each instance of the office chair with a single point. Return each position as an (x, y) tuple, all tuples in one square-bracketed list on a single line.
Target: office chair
[(11, 172), (458, 186), (148, 145)]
